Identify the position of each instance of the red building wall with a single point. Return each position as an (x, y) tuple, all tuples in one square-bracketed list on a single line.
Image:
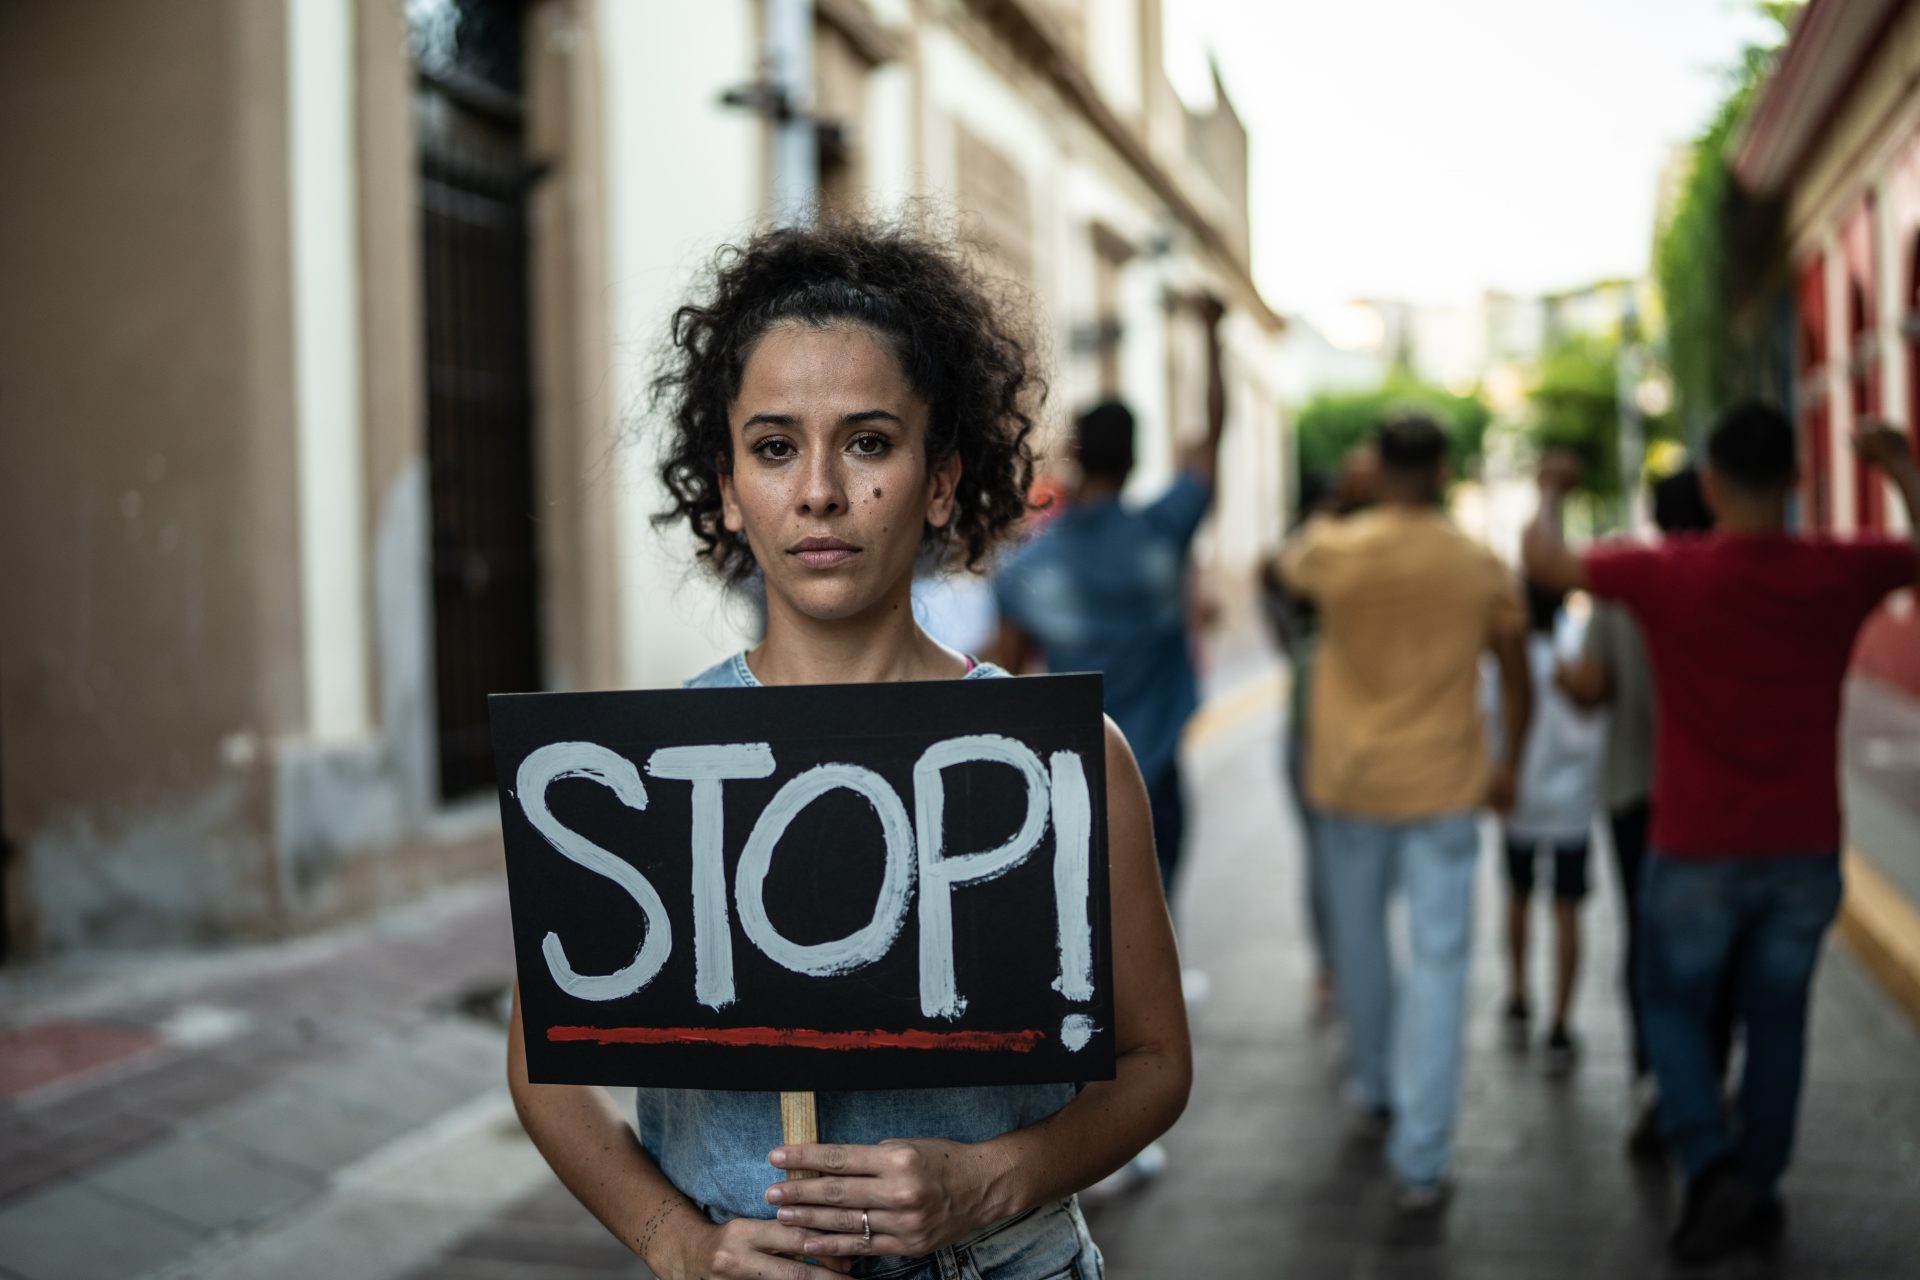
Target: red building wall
[(1889, 647)]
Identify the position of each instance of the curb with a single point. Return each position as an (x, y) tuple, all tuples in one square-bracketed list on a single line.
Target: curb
[(1883, 930)]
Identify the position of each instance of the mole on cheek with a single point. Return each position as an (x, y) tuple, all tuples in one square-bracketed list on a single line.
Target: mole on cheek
[(876, 493)]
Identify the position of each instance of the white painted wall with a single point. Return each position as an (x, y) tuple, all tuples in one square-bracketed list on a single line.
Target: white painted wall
[(1144, 374), (1113, 52), (960, 87), (963, 87), (326, 354), (888, 146), (684, 175)]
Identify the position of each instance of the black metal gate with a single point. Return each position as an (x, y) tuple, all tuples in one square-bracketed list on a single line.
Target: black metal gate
[(474, 180)]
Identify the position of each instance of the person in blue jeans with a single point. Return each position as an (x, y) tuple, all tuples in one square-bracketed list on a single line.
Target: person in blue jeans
[(840, 403), (1295, 629), (1612, 672), (1397, 770), (1750, 629)]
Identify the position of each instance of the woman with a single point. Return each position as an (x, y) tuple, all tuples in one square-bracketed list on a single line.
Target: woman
[(844, 401)]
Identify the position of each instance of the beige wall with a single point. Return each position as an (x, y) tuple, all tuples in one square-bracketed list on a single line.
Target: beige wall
[(574, 414), (147, 492)]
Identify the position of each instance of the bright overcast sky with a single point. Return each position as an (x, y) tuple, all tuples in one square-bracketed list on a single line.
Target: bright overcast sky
[(1425, 150)]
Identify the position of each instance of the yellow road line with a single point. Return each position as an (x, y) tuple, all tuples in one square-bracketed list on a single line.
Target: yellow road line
[(1228, 709), (1883, 929)]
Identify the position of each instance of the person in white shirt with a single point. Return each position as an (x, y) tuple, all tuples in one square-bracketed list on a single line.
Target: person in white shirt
[(1559, 783)]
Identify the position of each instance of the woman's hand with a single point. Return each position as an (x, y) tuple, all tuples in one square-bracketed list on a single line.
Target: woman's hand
[(743, 1249), (905, 1197)]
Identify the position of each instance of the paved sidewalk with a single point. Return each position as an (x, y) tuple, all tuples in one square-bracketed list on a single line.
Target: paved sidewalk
[(334, 1107), (321, 1108)]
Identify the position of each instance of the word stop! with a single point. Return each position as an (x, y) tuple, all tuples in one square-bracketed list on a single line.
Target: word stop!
[(915, 857)]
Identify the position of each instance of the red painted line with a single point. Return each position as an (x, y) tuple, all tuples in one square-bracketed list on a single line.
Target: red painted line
[(802, 1038), (39, 1055)]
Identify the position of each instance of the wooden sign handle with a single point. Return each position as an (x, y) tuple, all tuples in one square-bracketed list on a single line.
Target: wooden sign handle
[(798, 1125)]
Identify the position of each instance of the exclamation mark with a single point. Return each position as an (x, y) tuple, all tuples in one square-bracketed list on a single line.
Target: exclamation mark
[(1072, 855)]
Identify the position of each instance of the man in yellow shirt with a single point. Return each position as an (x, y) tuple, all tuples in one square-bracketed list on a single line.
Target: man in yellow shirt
[(1398, 768)]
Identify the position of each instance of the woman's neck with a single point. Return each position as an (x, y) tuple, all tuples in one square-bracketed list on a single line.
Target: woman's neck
[(882, 645)]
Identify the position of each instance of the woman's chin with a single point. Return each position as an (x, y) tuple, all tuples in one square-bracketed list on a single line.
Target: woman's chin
[(831, 602)]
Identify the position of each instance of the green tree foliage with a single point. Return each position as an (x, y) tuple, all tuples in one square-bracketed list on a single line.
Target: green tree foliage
[(1691, 262), (1333, 422), (1574, 405)]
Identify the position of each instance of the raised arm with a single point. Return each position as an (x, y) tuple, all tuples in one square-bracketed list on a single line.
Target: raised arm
[(1516, 714), (1885, 446), (1587, 680), (1544, 552), (1202, 457)]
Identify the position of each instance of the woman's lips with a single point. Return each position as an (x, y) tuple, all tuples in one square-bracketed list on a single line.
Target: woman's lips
[(823, 553)]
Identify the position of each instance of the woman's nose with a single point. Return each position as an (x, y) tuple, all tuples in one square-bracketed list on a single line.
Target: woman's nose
[(822, 492)]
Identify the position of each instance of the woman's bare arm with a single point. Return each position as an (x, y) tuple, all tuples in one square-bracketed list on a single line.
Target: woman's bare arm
[(597, 1155), (1111, 1120)]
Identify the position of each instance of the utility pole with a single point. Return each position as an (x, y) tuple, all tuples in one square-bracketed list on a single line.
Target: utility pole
[(796, 159)]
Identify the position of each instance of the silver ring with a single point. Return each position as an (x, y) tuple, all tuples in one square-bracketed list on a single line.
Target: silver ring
[(866, 1228)]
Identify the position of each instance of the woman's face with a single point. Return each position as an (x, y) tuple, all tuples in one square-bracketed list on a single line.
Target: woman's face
[(831, 485)]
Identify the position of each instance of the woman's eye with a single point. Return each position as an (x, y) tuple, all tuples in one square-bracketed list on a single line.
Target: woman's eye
[(775, 449), (869, 446)]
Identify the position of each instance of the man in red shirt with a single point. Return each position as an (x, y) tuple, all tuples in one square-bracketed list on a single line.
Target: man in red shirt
[(1749, 629)]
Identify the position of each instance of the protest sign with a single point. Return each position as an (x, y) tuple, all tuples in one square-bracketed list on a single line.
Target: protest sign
[(819, 887)]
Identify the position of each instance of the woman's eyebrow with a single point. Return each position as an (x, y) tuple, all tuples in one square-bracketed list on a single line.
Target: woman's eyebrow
[(788, 420)]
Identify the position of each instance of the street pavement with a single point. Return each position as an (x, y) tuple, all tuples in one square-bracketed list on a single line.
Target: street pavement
[(335, 1106)]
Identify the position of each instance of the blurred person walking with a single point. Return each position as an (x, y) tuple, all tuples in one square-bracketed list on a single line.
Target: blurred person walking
[(1552, 816), (1612, 672), (1398, 768), (1295, 627), (1104, 587), (1750, 629)]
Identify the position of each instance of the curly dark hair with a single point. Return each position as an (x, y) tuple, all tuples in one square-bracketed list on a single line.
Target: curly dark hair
[(960, 340)]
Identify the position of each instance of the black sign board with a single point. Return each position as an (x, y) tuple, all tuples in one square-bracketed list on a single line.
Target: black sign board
[(818, 887)]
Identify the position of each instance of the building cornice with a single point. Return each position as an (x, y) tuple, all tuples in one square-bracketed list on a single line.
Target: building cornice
[(1831, 40), (1034, 35), (854, 20)]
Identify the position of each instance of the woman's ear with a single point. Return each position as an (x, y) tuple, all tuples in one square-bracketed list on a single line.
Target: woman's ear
[(730, 515), (942, 483)]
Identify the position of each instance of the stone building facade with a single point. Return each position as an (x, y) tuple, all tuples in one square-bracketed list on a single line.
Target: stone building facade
[(322, 369)]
